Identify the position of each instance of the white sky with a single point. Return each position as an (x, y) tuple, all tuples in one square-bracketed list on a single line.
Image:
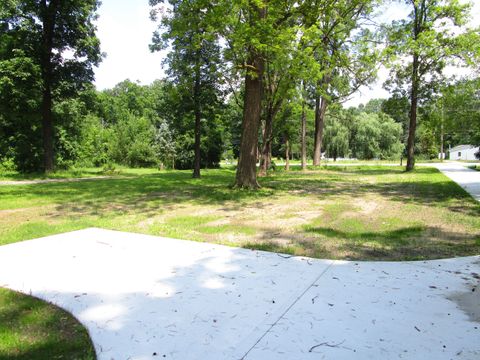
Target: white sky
[(125, 31)]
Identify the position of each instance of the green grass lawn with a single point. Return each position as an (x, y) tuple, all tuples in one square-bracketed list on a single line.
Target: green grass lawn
[(374, 162), (31, 329), (60, 174), (361, 213), (341, 212)]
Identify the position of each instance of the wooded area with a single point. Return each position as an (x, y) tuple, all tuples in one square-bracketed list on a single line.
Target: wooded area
[(246, 80)]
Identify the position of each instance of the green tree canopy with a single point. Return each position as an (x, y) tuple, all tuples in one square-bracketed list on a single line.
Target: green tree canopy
[(55, 43), (433, 36)]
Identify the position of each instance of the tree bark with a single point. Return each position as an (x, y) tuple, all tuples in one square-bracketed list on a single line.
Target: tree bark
[(246, 176), (266, 155), (413, 116), (287, 154), (196, 164), (47, 128), (442, 157), (48, 13), (198, 116), (415, 79), (304, 136), (320, 109)]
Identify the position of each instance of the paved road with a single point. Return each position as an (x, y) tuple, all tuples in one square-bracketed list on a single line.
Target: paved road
[(144, 297), (467, 178), (46, 181)]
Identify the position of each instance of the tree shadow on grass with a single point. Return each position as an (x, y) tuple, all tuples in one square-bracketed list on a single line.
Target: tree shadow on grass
[(373, 170), (144, 193), (357, 169), (43, 330), (407, 243), (411, 242), (397, 236), (151, 193)]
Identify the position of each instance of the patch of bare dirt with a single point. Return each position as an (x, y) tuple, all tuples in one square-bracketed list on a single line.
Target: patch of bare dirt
[(147, 223), (366, 207), (22, 215), (219, 222), (8, 212)]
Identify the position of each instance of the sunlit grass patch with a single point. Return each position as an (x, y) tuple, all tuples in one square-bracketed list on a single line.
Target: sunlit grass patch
[(226, 229), (189, 222)]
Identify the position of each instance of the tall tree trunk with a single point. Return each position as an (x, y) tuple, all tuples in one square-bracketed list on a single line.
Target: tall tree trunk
[(47, 128), (196, 165), (320, 109), (48, 14), (287, 154), (198, 116), (260, 157), (442, 157), (413, 115), (266, 155), (246, 176), (418, 10), (304, 135)]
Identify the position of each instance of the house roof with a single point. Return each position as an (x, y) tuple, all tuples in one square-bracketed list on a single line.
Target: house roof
[(462, 147)]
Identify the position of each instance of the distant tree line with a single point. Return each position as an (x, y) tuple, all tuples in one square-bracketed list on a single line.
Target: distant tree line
[(249, 80)]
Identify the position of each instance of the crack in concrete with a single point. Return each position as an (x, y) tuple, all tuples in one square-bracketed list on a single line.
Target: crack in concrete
[(288, 309)]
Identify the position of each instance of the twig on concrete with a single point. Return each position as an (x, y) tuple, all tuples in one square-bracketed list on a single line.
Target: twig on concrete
[(325, 344)]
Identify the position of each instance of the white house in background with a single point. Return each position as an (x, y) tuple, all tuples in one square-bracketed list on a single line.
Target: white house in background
[(463, 152)]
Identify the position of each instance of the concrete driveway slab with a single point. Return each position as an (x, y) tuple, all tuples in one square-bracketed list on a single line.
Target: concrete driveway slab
[(378, 310), (142, 295), (146, 297)]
